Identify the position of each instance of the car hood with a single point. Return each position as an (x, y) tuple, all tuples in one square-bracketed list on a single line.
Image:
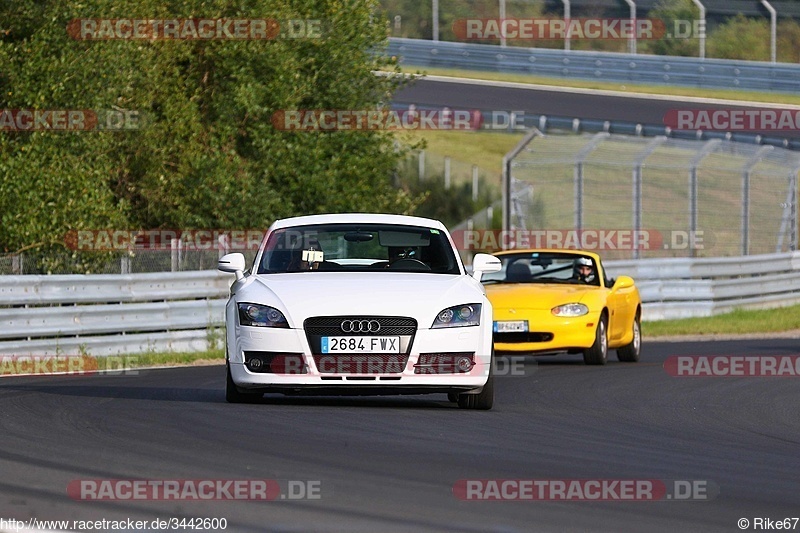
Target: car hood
[(418, 295), (535, 295)]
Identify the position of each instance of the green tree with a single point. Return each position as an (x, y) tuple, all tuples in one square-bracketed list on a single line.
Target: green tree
[(668, 12), (746, 38), (206, 155)]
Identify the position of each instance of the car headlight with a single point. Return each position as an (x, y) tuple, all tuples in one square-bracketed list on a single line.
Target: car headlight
[(458, 316), (570, 310), (261, 315)]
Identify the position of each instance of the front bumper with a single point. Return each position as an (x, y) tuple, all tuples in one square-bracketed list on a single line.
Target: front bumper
[(546, 333), (321, 374)]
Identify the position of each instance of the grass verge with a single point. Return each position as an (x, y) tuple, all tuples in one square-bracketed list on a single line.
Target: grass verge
[(466, 148), (736, 322), (174, 358)]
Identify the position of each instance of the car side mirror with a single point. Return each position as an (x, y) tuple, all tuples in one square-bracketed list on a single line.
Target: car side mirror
[(233, 263), (484, 263), (623, 282)]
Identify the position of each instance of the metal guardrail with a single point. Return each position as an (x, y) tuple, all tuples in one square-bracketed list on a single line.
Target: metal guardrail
[(183, 311), (685, 287), (112, 314), (601, 66)]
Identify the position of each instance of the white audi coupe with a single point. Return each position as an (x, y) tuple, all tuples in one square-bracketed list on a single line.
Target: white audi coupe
[(358, 304)]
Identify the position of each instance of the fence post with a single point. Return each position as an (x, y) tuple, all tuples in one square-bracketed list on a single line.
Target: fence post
[(173, 252), (507, 160), (580, 158), (474, 183), (704, 151), (746, 172), (435, 21), (637, 190)]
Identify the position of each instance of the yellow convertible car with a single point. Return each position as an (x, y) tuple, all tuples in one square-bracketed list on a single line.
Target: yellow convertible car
[(554, 301)]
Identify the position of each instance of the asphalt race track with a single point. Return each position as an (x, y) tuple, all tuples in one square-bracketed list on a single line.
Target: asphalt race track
[(390, 464), (587, 105)]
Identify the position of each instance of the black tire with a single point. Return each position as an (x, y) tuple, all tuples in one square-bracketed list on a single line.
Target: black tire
[(452, 397), (232, 394), (598, 353), (630, 352), (483, 400)]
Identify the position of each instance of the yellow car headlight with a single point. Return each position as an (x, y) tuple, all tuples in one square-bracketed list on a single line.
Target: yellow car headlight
[(570, 310)]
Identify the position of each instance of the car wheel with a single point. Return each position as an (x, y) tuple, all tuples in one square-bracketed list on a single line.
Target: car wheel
[(452, 397), (630, 352), (598, 353), (484, 399), (232, 394)]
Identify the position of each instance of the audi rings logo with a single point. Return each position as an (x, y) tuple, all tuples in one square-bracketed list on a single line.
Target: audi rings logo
[(361, 326)]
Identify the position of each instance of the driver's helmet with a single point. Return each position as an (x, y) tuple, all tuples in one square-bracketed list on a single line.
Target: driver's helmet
[(581, 263)]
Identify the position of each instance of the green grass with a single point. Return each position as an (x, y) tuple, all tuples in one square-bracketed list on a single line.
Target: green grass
[(739, 321), (465, 148), (726, 94), (173, 358)]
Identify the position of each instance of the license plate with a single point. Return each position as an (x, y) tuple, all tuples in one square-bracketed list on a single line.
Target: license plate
[(360, 344), (510, 326)]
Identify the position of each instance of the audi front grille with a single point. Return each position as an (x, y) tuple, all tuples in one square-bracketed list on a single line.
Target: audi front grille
[(359, 326)]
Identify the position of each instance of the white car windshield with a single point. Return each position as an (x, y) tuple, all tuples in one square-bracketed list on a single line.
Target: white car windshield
[(358, 247)]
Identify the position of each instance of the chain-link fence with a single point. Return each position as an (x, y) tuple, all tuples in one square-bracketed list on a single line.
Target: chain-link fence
[(133, 262), (633, 196)]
